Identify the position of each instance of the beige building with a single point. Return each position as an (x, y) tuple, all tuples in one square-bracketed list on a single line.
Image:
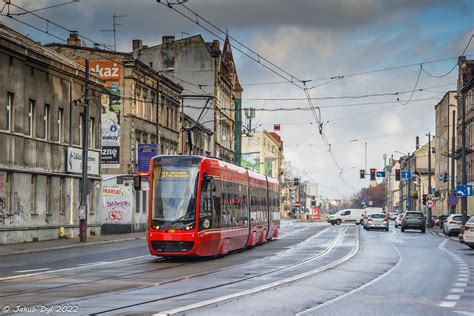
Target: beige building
[(41, 139), (392, 187), (204, 70), (141, 107), (263, 152), (445, 125)]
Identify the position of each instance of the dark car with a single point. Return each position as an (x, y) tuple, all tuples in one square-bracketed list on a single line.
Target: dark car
[(414, 220)]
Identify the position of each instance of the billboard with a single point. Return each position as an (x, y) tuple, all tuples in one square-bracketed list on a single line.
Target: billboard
[(111, 72), (145, 153)]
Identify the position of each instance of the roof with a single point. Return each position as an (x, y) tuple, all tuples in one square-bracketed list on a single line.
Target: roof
[(19, 39), (90, 49)]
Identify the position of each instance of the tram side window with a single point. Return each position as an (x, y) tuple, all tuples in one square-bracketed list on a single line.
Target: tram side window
[(206, 201), (216, 216)]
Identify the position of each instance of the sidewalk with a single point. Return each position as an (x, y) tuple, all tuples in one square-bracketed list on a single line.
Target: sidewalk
[(28, 247)]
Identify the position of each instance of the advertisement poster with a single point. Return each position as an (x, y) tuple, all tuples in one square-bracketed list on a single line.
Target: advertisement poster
[(111, 72), (145, 153)]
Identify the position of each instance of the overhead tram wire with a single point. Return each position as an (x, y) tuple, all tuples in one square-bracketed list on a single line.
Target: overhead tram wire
[(291, 79), (48, 7), (99, 54)]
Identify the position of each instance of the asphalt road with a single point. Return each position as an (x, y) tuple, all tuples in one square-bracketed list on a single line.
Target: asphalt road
[(312, 269)]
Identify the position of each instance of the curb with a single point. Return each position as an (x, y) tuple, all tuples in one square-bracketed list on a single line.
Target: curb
[(72, 246)]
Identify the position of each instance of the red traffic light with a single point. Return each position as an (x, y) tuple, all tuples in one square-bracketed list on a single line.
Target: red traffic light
[(397, 174), (372, 174)]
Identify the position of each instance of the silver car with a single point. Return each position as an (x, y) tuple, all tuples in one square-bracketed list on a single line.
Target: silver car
[(452, 224), (377, 220), (398, 220)]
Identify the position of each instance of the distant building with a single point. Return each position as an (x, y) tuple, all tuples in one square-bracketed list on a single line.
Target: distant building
[(41, 139), (444, 179), (466, 99), (206, 71), (412, 190), (392, 186), (141, 107), (263, 152)]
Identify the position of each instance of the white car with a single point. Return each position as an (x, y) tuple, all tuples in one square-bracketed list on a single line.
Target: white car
[(349, 215), (468, 235), (452, 224), (367, 212), (377, 220), (398, 220)]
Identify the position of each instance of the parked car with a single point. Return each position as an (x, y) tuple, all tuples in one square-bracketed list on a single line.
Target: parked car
[(398, 220), (414, 220), (452, 225), (468, 234), (377, 220), (461, 235), (343, 216)]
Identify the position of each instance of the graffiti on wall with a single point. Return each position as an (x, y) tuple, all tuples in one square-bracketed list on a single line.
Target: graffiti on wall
[(3, 197), (117, 204)]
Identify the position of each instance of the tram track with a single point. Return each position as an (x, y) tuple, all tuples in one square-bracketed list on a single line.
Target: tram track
[(320, 255), (114, 277)]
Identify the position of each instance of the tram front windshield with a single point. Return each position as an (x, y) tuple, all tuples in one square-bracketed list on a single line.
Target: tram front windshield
[(174, 193)]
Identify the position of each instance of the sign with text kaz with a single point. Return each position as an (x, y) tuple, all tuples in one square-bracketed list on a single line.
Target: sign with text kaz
[(74, 161)]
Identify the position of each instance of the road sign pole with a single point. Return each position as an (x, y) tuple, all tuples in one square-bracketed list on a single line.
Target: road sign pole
[(430, 220)]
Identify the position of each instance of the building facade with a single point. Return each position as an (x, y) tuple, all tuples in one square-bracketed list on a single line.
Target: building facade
[(140, 111), (446, 127), (263, 152), (412, 190), (392, 186), (212, 92), (41, 134), (466, 100)]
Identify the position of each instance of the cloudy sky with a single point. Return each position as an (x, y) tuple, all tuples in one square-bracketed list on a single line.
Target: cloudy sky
[(312, 40)]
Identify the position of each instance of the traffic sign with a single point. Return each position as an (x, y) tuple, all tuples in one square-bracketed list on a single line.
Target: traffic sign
[(429, 204), (297, 204), (429, 197), (452, 200), (363, 203), (380, 174), (463, 190), (406, 174)]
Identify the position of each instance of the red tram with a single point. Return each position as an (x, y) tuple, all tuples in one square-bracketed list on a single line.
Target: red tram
[(206, 207)]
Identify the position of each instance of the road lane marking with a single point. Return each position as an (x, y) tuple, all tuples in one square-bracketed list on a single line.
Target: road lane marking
[(359, 288), (463, 275), (32, 270), (352, 253), (453, 297), (463, 279), (447, 304), (70, 269), (460, 284), (457, 290)]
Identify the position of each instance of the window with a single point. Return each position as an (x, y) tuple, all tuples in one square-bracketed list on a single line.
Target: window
[(61, 125), (62, 197), (137, 201), (33, 194), (46, 121), (49, 191), (92, 133), (144, 200), (32, 119), (10, 113), (81, 138)]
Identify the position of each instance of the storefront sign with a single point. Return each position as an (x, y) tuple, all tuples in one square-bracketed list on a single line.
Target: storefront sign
[(74, 161)]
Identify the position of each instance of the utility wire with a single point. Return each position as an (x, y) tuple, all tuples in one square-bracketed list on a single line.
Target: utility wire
[(46, 8)]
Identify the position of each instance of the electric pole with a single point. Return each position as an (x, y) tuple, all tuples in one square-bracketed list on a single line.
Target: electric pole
[(463, 156), (453, 178), (85, 146), (430, 220)]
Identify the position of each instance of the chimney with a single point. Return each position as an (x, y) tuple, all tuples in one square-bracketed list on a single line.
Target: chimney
[(166, 40), (137, 44), (215, 49), (417, 142), (73, 39)]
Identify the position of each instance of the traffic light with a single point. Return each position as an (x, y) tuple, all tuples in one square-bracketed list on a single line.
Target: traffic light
[(397, 174), (372, 174), (362, 173), (296, 182), (446, 177), (424, 198)]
